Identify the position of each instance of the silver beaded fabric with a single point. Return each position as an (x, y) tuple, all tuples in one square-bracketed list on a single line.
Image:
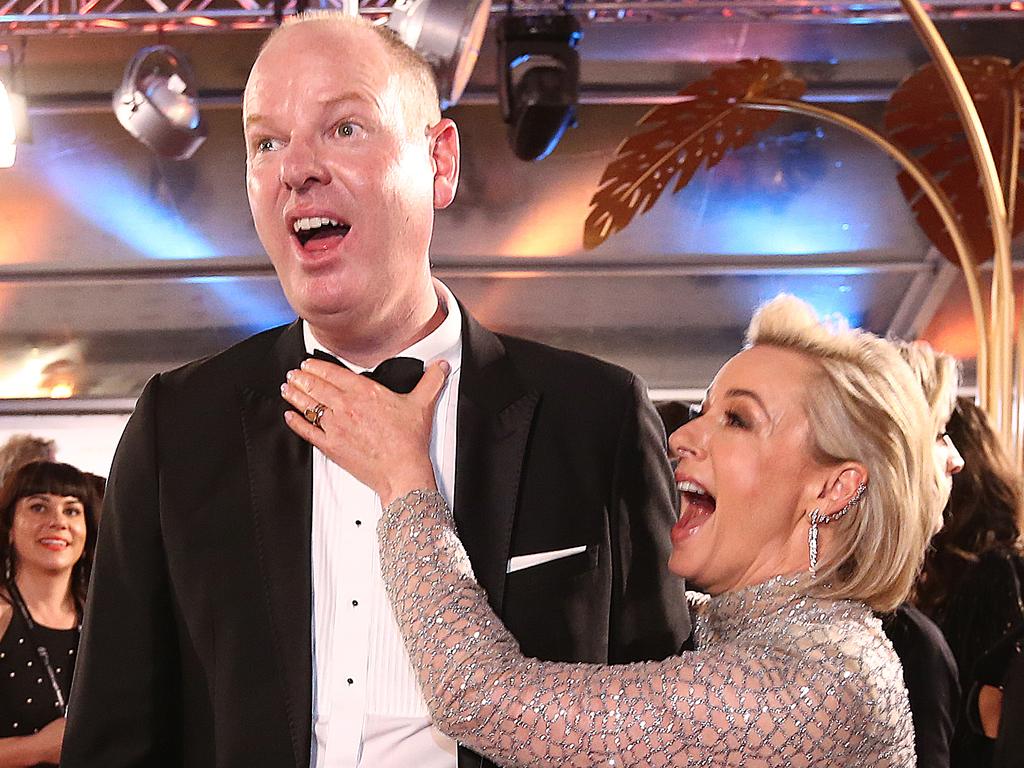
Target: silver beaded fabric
[(777, 679)]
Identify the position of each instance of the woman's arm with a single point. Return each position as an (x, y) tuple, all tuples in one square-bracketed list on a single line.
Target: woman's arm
[(6, 611), (750, 706), (27, 751), (726, 708), (990, 707)]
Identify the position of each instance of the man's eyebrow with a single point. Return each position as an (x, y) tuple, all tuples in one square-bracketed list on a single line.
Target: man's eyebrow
[(251, 120), (329, 103), (748, 393)]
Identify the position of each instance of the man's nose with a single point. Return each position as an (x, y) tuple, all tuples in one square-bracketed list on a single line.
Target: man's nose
[(302, 167)]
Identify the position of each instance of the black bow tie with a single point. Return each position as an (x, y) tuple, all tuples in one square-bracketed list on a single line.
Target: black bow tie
[(399, 374)]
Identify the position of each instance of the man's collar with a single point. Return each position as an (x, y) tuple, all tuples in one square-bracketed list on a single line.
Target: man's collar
[(443, 343)]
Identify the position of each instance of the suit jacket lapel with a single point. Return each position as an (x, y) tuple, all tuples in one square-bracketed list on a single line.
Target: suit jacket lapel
[(280, 485), (494, 417)]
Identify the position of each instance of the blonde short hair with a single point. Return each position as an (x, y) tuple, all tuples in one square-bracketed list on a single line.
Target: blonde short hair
[(939, 377), (866, 407), (422, 102)]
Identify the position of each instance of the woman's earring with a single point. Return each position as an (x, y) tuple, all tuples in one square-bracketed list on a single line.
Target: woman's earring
[(812, 543), (818, 518)]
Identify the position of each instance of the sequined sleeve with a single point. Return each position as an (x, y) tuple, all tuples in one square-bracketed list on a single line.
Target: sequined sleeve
[(730, 705)]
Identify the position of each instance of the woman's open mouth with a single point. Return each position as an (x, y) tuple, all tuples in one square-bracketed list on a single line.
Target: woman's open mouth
[(696, 506)]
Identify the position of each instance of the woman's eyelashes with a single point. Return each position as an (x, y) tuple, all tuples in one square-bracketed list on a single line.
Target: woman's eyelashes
[(734, 418), (730, 417)]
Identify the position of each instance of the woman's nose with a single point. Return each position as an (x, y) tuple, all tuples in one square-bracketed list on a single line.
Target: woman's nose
[(954, 461), (688, 440), (55, 518)]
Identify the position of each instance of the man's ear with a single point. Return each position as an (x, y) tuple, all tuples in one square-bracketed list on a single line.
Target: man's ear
[(444, 155), (842, 485)]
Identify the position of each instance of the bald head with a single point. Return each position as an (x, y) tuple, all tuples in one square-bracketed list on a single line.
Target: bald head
[(339, 31)]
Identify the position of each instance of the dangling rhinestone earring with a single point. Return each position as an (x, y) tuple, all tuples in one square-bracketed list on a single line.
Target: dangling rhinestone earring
[(819, 519)]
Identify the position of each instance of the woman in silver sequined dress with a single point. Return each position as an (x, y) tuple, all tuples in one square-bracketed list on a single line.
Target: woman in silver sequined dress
[(808, 496)]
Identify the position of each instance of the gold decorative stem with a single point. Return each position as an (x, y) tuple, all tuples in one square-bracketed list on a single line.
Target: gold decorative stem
[(1001, 334), (1010, 165), (932, 190), (1010, 168)]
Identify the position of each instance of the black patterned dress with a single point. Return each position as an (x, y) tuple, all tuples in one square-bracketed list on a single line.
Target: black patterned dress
[(27, 700)]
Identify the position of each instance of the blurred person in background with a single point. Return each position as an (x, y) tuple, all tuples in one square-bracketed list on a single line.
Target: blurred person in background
[(19, 450), (972, 576), (928, 664), (999, 689), (47, 539)]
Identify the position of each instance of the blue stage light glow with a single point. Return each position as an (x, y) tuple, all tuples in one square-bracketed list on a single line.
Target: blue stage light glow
[(782, 196), (832, 297), (100, 190), (747, 226), (252, 302)]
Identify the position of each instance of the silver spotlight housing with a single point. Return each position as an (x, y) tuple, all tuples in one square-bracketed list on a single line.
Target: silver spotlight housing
[(447, 33), (157, 102)]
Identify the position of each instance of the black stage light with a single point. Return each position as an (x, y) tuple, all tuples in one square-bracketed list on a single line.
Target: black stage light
[(157, 102), (538, 80)]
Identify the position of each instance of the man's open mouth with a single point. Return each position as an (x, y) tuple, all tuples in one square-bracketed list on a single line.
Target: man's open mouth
[(311, 228)]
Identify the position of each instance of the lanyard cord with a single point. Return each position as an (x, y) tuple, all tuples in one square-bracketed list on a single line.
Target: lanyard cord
[(44, 655)]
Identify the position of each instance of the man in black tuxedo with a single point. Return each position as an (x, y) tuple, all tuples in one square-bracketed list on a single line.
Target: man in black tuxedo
[(219, 630)]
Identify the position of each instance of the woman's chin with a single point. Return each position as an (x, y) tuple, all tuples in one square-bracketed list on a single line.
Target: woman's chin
[(684, 568)]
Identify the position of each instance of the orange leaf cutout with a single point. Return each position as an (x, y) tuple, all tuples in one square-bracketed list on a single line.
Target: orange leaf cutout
[(920, 119), (680, 137)]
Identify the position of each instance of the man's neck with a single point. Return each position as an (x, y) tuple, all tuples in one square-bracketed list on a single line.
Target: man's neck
[(386, 339)]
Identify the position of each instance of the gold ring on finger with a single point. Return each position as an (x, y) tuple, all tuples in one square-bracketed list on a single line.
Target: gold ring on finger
[(314, 414)]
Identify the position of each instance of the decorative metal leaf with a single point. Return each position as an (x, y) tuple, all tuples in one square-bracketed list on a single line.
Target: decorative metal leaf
[(921, 120), (678, 138)]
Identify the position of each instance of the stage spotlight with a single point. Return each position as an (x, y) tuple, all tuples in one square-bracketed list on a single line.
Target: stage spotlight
[(538, 80), (8, 139), (14, 126), (157, 102), (447, 33)]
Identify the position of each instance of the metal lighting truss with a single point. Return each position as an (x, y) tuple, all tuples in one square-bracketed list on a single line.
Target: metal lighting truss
[(27, 17)]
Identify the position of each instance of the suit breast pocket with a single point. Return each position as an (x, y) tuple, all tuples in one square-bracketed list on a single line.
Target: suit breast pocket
[(545, 568), (559, 609)]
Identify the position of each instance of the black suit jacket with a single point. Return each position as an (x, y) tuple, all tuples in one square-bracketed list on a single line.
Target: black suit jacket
[(196, 649), (933, 686)]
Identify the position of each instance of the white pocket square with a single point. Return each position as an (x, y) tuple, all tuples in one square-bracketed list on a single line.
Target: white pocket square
[(520, 562)]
